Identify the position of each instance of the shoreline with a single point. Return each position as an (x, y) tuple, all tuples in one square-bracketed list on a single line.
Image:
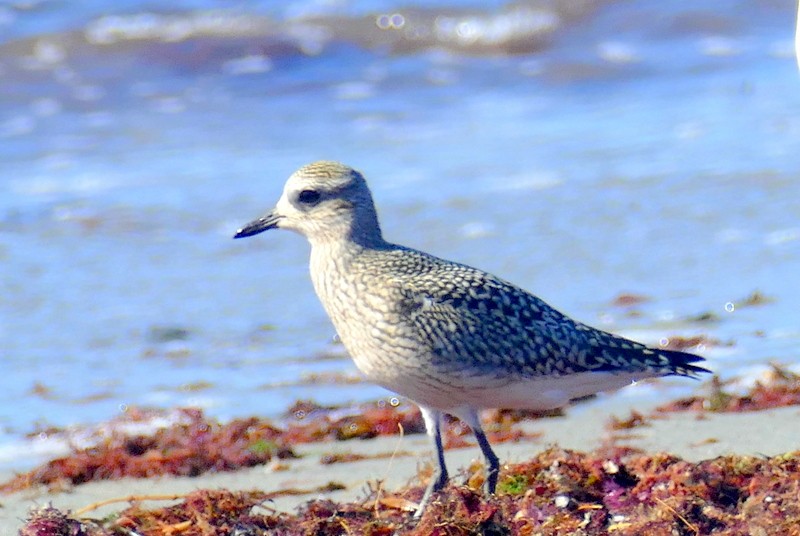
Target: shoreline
[(690, 436)]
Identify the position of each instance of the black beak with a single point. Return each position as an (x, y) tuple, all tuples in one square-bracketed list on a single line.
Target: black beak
[(265, 223)]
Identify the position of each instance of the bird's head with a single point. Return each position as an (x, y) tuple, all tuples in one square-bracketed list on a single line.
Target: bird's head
[(324, 201)]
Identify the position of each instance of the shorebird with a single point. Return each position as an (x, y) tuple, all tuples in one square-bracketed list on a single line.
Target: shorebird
[(451, 338)]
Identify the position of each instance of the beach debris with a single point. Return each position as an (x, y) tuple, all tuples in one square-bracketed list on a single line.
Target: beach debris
[(192, 443), (629, 299), (557, 492), (706, 317), (634, 420), (309, 422), (163, 334), (191, 446), (350, 457), (695, 342), (49, 521), (779, 388), (753, 299)]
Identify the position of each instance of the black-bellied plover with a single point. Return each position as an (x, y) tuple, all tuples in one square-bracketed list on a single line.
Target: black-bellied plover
[(451, 338)]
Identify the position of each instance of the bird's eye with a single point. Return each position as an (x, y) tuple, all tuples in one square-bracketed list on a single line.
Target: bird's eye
[(308, 197)]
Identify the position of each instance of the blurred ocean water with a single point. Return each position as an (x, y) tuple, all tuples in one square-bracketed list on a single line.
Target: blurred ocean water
[(580, 149)]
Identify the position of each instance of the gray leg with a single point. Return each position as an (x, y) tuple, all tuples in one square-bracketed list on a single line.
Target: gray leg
[(470, 416), (433, 424)]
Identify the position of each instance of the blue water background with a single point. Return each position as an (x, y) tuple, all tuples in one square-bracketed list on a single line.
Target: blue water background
[(639, 147)]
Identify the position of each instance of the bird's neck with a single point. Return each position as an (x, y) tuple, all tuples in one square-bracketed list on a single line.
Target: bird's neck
[(331, 273), (335, 259), (360, 230), (336, 255)]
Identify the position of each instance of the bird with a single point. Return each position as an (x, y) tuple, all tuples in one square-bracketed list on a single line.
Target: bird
[(451, 338)]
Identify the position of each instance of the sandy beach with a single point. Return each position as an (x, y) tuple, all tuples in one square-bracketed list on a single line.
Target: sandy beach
[(687, 435)]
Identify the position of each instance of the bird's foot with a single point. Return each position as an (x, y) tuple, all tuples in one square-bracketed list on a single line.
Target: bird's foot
[(437, 484)]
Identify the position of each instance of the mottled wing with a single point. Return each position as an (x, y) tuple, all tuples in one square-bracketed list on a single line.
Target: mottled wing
[(478, 325)]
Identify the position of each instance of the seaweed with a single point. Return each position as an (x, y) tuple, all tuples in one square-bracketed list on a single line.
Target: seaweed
[(197, 444), (190, 447), (780, 388), (615, 490), (557, 492)]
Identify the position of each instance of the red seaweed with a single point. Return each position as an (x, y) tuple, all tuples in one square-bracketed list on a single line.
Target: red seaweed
[(781, 388), (557, 492)]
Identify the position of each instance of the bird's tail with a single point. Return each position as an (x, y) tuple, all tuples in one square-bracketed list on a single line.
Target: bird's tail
[(630, 356), (682, 363)]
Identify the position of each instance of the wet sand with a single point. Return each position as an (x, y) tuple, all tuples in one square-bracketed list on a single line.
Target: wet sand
[(585, 428)]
